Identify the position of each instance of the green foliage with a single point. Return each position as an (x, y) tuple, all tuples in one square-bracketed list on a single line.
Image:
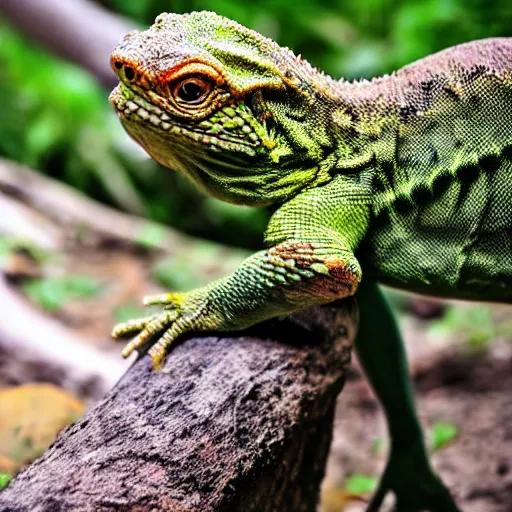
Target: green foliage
[(475, 324), (358, 485), (42, 106), (151, 237), (11, 244), (129, 312), (53, 293), (176, 274), (442, 434), (5, 249), (56, 118), (5, 478), (378, 446)]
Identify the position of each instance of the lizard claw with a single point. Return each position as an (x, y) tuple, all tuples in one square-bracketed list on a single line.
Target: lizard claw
[(179, 315), (416, 487), (148, 328), (169, 300), (159, 349)]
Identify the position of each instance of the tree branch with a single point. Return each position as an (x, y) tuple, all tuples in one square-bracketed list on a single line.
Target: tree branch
[(78, 30), (239, 424)]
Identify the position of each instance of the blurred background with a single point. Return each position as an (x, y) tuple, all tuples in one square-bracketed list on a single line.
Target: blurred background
[(89, 224)]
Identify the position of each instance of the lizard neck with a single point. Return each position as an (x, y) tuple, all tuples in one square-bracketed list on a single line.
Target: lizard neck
[(339, 126), (365, 123)]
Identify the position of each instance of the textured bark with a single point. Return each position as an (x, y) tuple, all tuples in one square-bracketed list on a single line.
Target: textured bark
[(239, 423)]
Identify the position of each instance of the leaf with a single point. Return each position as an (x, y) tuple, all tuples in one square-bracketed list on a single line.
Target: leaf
[(442, 434), (152, 236), (378, 446), (359, 484), (5, 248), (177, 273), (81, 286), (53, 293), (48, 293), (5, 478), (128, 312)]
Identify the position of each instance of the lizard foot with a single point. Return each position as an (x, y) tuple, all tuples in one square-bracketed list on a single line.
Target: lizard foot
[(179, 315), (416, 487)]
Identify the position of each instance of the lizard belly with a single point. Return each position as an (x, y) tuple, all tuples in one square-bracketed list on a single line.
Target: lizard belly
[(456, 243)]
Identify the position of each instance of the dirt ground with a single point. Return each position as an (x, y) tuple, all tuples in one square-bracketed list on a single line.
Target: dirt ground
[(472, 392)]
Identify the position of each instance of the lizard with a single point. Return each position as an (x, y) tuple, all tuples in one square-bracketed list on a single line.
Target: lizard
[(405, 179)]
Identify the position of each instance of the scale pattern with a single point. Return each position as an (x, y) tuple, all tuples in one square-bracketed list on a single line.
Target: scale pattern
[(442, 190)]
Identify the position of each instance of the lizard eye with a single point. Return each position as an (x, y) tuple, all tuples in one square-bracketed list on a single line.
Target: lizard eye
[(192, 90)]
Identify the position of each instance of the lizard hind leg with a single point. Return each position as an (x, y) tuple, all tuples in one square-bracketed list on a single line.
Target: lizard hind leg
[(408, 474), (414, 484)]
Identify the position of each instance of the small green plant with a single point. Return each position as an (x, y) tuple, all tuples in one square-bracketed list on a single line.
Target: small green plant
[(177, 273), (475, 323), (128, 311), (11, 244), (5, 478), (5, 248), (358, 484), (152, 236), (52, 293), (378, 446), (442, 434)]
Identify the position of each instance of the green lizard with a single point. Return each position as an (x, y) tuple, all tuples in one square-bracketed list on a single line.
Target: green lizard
[(407, 178)]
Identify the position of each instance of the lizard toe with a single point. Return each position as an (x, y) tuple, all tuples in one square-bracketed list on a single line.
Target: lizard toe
[(124, 329), (158, 323)]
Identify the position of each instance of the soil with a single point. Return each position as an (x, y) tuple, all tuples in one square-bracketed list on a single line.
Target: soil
[(472, 391)]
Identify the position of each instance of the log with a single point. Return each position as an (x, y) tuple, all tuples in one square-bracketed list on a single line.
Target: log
[(238, 423), (64, 359)]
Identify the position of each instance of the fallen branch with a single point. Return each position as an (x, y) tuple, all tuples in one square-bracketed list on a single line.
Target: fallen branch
[(49, 213), (239, 424), (60, 357), (81, 31)]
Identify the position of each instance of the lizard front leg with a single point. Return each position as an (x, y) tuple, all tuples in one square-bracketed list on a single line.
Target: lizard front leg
[(310, 262), (288, 277)]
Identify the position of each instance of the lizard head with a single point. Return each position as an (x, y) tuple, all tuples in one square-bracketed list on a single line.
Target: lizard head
[(220, 103)]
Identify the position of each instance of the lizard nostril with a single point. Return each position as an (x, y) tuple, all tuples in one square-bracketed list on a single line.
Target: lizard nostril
[(129, 73)]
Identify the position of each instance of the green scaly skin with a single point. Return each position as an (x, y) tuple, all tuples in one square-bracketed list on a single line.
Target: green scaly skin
[(408, 177)]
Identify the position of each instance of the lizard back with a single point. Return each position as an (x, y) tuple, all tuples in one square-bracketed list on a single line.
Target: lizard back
[(442, 201)]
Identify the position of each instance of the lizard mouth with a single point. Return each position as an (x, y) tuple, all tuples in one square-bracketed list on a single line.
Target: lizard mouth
[(240, 138), (129, 105)]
